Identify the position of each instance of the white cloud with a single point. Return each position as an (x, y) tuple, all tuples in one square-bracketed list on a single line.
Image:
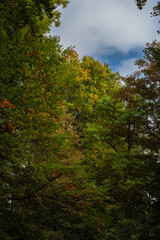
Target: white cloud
[(127, 67), (97, 26)]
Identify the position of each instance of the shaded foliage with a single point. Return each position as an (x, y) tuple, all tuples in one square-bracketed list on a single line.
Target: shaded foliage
[(79, 150)]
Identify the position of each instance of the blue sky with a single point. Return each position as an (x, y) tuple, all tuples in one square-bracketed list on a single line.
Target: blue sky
[(112, 31), (119, 61)]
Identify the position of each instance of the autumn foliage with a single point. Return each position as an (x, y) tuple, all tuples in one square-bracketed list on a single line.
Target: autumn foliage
[(79, 145)]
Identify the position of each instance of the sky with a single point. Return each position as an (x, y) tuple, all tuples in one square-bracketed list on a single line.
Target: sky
[(111, 31)]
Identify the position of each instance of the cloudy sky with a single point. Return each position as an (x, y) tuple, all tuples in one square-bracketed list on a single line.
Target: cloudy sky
[(112, 31)]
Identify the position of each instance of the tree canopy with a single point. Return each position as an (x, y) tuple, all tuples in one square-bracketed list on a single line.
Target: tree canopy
[(79, 145)]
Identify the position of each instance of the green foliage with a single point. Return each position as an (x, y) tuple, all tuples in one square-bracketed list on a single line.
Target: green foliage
[(141, 3), (79, 152), (156, 9)]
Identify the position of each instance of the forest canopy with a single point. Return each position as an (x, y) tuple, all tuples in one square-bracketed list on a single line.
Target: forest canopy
[(79, 144)]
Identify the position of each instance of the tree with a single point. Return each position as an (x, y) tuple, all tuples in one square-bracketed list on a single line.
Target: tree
[(79, 152), (36, 143), (88, 80), (141, 98), (44, 185), (122, 144), (140, 3), (156, 9)]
